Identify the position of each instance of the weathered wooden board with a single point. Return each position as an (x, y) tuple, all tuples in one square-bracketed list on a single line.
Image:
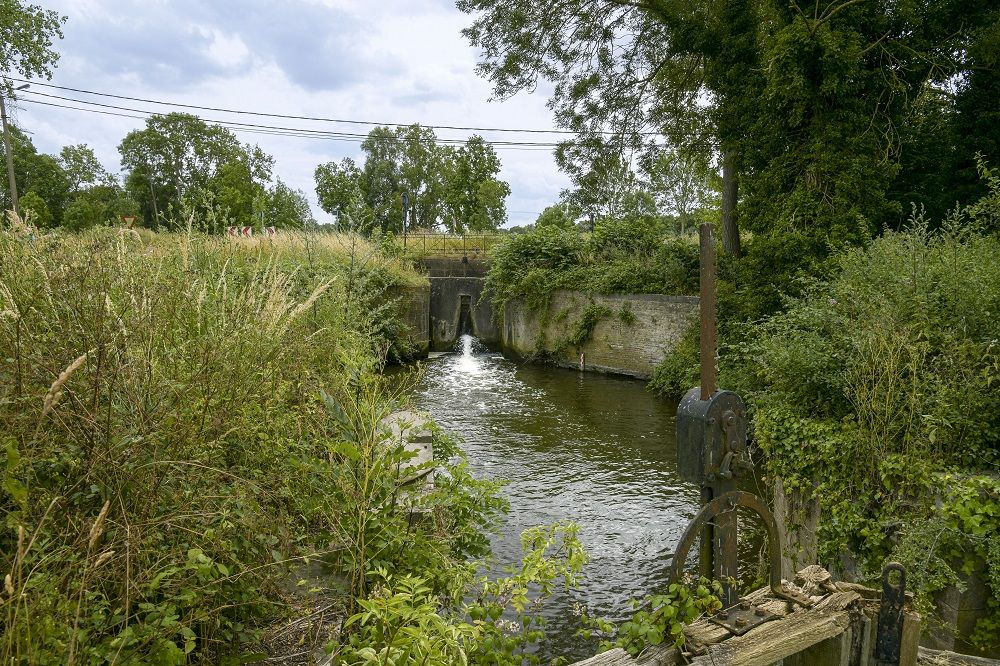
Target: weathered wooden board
[(776, 640), (652, 656), (928, 657)]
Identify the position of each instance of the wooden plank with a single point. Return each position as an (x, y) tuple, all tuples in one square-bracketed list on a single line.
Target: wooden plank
[(834, 651), (655, 655), (928, 657), (615, 657), (658, 655), (782, 638), (910, 640)]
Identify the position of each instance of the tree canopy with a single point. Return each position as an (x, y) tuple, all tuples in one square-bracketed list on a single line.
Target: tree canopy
[(26, 35), (455, 186), (805, 108)]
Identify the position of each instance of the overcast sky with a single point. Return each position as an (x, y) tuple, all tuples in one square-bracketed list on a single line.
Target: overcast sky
[(398, 61)]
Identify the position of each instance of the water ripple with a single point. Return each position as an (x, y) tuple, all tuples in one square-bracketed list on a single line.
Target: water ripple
[(592, 449)]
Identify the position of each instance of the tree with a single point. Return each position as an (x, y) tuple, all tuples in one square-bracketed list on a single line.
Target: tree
[(601, 176), (287, 208), (474, 198), (240, 182), (382, 179), (82, 168), (455, 186), (625, 72), (96, 205), (340, 189), (801, 105), (421, 171), (680, 184), (34, 206), (560, 216), (39, 173), (179, 163), (26, 35)]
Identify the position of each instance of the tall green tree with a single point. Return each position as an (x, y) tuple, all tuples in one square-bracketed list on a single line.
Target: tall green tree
[(82, 168), (560, 216), (38, 174), (100, 204), (474, 196), (180, 163), (421, 175), (382, 184), (626, 73), (341, 190), (454, 186), (681, 184), (287, 208), (27, 33)]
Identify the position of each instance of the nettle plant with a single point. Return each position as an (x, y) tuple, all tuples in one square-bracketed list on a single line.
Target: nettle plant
[(402, 620), (659, 619)]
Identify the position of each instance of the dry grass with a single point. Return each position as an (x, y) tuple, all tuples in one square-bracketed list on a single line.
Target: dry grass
[(164, 442)]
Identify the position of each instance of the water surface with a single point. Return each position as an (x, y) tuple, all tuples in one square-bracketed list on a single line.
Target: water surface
[(590, 448)]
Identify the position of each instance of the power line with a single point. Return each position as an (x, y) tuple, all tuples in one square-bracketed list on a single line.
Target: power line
[(310, 118), (271, 130)]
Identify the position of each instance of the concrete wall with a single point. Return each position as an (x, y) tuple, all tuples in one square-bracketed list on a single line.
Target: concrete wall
[(616, 346), (454, 266), (445, 310), (413, 308)]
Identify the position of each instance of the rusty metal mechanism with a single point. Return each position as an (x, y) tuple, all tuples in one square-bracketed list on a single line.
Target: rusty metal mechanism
[(728, 504), (742, 617), (712, 437), (712, 452), (890, 616)]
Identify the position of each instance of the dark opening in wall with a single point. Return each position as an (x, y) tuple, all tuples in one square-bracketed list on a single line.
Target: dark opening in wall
[(465, 316)]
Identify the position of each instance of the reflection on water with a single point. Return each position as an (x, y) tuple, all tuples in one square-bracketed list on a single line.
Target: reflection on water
[(589, 448)]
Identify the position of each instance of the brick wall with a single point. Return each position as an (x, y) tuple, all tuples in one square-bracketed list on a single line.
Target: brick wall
[(628, 345)]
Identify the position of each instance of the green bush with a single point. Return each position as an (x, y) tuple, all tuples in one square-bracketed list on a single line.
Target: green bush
[(169, 454), (876, 391), (619, 257)]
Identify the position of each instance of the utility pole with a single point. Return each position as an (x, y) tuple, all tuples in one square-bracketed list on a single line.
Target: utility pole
[(10, 154)]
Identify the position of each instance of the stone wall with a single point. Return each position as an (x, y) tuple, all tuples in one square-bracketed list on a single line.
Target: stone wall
[(413, 307), (631, 340), (447, 296)]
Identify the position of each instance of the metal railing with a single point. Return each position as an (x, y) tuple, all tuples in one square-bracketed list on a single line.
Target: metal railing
[(458, 244)]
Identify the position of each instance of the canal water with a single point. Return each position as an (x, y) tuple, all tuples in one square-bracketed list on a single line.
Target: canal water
[(585, 447)]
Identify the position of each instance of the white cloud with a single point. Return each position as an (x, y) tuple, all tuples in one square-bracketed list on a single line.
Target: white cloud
[(392, 61)]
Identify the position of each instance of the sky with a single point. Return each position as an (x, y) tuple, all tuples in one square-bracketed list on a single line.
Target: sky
[(387, 61)]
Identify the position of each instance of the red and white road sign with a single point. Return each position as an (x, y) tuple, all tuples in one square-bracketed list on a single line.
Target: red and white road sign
[(232, 231), (270, 231), (246, 232)]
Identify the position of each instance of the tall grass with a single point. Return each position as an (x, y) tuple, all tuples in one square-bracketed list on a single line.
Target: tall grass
[(165, 441)]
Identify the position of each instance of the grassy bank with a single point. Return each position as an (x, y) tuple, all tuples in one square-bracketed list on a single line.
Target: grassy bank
[(169, 455), (192, 423)]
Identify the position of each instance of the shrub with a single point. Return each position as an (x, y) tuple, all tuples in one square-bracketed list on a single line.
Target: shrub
[(620, 257), (875, 390), (167, 451)]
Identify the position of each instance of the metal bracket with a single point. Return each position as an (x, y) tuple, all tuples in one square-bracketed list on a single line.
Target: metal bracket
[(890, 616), (727, 503), (742, 617)]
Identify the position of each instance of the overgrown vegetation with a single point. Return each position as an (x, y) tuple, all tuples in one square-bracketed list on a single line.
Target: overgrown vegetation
[(659, 618), (620, 256), (875, 392), (185, 420)]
